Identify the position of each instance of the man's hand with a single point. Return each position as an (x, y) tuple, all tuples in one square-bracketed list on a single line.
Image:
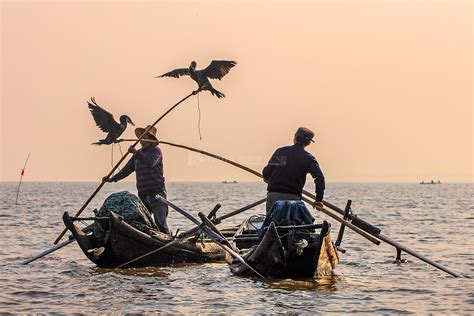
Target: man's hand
[(318, 204), (132, 150), (106, 179)]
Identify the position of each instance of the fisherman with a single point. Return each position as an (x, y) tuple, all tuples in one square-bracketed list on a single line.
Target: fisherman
[(147, 162), (286, 171)]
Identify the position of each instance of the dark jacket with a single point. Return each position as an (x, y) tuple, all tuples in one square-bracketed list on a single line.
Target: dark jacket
[(287, 169), (148, 165)]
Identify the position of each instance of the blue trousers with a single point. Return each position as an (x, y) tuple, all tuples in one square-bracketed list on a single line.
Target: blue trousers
[(158, 209)]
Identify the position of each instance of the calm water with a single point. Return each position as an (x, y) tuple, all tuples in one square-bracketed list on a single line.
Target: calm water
[(435, 220)]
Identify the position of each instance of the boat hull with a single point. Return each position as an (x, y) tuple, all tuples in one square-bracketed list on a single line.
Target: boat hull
[(273, 256), (123, 243)]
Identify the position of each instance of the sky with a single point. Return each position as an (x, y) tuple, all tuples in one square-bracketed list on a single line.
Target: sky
[(386, 85)]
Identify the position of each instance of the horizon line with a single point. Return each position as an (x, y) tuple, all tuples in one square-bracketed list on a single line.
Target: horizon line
[(245, 181)]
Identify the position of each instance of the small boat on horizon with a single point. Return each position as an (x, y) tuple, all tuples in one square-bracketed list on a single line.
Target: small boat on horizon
[(227, 182), (430, 182)]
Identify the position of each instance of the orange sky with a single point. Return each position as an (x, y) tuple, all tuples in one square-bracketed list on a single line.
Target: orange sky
[(386, 85)]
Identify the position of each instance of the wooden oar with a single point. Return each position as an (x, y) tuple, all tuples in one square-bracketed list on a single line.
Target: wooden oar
[(417, 255), (50, 250), (192, 232), (344, 222), (167, 245), (374, 231), (122, 159), (211, 234), (258, 174), (240, 210), (233, 213), (181, 237)]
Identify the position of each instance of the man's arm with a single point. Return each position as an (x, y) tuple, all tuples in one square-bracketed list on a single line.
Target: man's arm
[(127, 170), (318, 177), (151, 158)]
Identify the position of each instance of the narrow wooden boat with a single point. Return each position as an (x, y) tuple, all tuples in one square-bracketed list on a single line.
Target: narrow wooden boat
[(284, 251), (122, 242)]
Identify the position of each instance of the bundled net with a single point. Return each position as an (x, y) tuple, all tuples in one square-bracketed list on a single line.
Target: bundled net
[(128, 206)]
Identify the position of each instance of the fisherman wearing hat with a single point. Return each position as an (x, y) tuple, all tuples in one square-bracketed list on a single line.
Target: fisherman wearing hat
[(286, 171), (147, 162)]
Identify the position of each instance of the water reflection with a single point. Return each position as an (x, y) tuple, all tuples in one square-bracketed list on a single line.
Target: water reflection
[(321, 284), (66, 282), (154, 272)]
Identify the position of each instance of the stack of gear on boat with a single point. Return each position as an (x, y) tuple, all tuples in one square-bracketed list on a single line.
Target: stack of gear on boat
[(290, 213), (128, 206)]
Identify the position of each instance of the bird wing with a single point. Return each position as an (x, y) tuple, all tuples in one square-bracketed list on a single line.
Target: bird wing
[(218, 69), (104, 120), (176, 73)]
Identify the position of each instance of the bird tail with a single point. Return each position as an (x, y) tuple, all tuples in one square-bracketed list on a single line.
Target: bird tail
[(100, 142), (216, 93)]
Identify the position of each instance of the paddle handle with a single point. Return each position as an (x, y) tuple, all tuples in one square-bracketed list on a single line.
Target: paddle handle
[(44, 253), (218, 238), (122, 159), (240, 210), (343, 222), (327, 212)]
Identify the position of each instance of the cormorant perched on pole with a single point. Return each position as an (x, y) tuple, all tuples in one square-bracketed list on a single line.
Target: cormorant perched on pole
[(106, 122), (216, 70)]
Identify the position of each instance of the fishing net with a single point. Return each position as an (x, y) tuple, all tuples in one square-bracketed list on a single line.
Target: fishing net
[(128, 206)]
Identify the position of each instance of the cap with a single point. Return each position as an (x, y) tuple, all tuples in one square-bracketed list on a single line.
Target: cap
[(305, 134)]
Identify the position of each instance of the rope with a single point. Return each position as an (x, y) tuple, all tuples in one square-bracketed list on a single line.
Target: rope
[(121, 153), (199, 119), (112, 155), (250, 220), (120, 148)]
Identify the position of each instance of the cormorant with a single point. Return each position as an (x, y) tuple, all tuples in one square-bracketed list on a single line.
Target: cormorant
[(216, 70), (106, 122)]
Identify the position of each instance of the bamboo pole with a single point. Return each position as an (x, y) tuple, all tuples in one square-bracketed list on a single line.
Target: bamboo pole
[(325, 211), (189, 233), (50, 250), (218, 238), (121, 160), (370, 229)]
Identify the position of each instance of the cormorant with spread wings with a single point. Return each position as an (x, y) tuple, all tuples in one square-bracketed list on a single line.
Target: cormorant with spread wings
[(106, 122), (216, 70)]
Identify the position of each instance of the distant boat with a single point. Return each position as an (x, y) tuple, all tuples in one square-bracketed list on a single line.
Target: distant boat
[(430, 182), (229, 182)]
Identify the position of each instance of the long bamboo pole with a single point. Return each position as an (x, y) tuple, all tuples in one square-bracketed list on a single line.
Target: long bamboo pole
[(47, 252), (190, 232), (212, 234), (376, 232), (325, 211), (121, 160), (372, 230)]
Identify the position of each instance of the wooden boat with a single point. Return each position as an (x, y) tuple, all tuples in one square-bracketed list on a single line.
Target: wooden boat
[(430, 182), (285, 251), (122, 243)]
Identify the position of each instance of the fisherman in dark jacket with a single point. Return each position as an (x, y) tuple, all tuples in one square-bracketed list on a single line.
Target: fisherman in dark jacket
[(147, 162), (287, 169)]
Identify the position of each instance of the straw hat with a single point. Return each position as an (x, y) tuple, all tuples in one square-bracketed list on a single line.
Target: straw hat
[(151, 133)]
